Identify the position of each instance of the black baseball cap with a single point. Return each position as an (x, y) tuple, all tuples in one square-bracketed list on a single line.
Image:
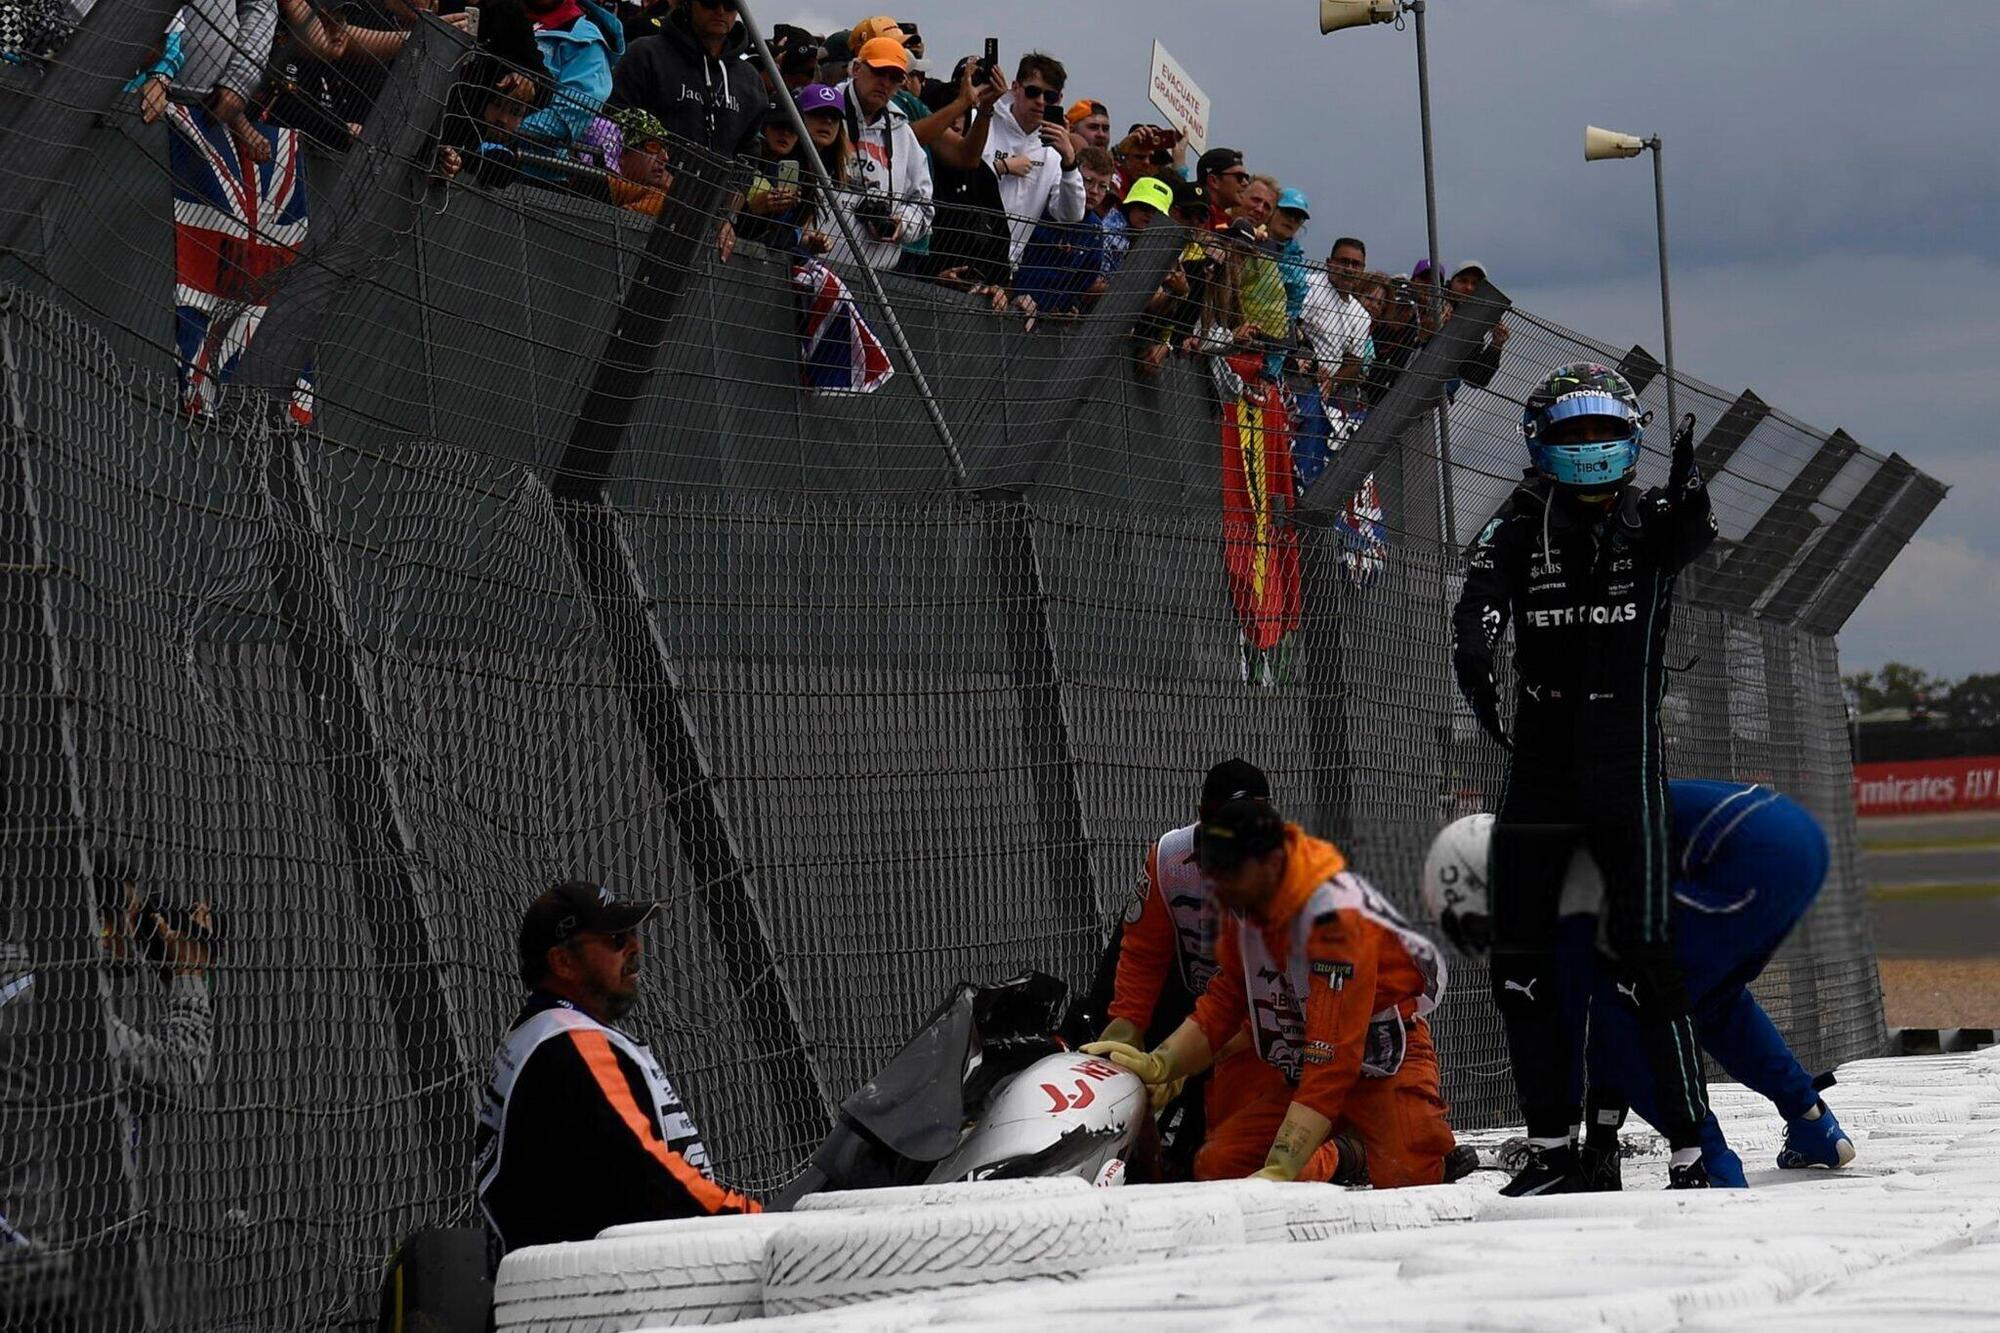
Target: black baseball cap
[(567, 910), (1238, 830), (1232, 780), (1217, 160), (1189, 194)]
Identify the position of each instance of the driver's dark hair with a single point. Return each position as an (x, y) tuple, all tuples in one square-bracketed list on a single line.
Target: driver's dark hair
[(1355, 242)]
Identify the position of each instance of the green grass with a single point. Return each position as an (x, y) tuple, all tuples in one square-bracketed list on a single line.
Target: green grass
[(1970, 842), (1931, 893)]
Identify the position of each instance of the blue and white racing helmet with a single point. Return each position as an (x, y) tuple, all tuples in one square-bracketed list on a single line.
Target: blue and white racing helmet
[(1587, 459)]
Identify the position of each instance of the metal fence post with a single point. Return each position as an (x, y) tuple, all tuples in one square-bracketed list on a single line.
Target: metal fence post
[(609, 578)]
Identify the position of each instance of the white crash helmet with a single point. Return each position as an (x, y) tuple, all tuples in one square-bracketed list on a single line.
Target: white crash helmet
[(1455, 882)]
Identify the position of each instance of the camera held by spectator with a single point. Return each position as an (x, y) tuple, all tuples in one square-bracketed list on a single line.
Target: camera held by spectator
[(149, 929)]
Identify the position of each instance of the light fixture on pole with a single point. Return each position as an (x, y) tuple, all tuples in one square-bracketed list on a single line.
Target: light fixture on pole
[(1598, 145), (1335, 15)]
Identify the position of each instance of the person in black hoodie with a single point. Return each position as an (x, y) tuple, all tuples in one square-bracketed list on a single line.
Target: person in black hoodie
[(691, 78), (505, 81)]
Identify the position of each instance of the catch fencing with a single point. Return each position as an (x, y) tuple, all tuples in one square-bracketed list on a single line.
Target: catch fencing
[(515, 549)]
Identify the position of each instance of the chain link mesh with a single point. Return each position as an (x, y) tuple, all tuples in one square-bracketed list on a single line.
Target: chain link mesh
[(868, 713)]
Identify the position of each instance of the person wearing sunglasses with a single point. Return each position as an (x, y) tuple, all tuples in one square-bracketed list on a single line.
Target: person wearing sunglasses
[(1221, 172), (1032, 153), (690, 76), (888, 191), (580, 1128)]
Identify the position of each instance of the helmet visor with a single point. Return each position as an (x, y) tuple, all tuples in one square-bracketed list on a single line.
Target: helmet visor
[(1587, 418)]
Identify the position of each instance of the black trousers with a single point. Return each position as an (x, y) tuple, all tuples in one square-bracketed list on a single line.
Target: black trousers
[(1562, 799)]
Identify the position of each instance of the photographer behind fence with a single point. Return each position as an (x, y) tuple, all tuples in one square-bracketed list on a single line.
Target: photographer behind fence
[(580, 1129), (159, 1028), (887, 193), (1584, 565)]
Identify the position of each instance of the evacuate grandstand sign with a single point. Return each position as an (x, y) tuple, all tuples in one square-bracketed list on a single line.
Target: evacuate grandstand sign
[(1177, 98), (1927, 786)]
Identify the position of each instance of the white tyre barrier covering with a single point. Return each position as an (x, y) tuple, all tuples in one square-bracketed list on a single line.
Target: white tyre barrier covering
[(1161, 1226), (1261, 1206), (705, 1270), (870, 1255), (948, 1195)]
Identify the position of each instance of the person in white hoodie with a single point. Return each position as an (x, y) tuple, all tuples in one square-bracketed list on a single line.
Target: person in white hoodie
[(887, 194), (1033, 153)]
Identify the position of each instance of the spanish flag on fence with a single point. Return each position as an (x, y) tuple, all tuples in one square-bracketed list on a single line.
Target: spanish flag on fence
[(1260, 548)]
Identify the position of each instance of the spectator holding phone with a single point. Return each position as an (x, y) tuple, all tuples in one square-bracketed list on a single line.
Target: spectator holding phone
[(1032, 155), (775, 210), (968, 243), (1146, 150), (887, 189)]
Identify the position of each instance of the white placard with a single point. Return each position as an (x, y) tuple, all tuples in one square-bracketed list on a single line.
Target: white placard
[(1184, 105)]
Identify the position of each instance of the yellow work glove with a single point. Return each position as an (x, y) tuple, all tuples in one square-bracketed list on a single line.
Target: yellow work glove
[(1164, 1093), (1152, 1067), (1123, 1031)]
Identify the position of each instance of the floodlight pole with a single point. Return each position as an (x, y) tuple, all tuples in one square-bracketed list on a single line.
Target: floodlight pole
[(1447, 505), (1666, 297)]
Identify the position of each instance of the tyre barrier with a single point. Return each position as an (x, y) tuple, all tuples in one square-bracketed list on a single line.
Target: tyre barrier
[(901, 1245)]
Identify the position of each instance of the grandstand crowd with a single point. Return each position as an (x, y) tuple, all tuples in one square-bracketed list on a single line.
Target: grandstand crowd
[(997, 180)]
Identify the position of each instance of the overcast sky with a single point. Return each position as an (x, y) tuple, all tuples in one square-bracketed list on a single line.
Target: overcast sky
[(1833, 191)]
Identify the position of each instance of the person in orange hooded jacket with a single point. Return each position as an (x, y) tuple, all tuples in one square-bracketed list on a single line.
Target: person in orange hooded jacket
[(1165, 955), (1335, 985)]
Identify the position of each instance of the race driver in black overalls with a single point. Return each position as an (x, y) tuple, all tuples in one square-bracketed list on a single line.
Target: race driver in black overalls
[(1583, 564)]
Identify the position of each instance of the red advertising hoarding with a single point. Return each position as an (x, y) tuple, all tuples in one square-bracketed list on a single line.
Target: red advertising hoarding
[(1927, 786)]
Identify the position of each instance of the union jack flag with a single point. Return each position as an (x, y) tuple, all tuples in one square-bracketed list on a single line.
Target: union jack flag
[(838, 352), (1322, 428), (237, 226), (1364, 534)]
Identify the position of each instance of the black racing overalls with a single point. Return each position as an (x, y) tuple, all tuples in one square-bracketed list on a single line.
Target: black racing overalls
[(1589, 591)]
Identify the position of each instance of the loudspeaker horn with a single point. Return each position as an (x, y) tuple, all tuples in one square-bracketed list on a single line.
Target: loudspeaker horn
[(1600, 144), (1337, 14)]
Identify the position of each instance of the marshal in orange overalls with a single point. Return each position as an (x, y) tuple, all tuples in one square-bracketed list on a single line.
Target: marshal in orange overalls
[(1334, 985)]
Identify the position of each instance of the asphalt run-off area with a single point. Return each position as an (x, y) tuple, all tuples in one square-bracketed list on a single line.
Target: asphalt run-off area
[(1934, 884)]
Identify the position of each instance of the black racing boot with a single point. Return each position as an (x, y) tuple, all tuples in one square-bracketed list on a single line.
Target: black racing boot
[(1599, 1168), (1352, 1168), (1689, 1176), (1548, 1171), (1460, 1162)]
